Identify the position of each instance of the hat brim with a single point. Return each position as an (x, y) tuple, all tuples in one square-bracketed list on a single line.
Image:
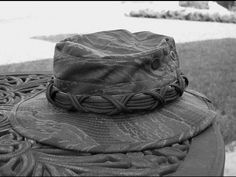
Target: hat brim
[(182, 119)]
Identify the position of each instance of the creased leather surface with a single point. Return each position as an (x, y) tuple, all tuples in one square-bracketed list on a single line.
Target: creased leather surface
[(37, 119), (114, 62)]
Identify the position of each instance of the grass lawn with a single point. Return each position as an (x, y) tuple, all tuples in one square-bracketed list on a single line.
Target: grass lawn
[(210, 66)]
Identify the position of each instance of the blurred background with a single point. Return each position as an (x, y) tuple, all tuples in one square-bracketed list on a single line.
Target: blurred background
[(204, 31)]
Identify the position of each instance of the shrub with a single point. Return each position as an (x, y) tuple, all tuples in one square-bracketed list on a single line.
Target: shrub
[(184, 15), (195, 4)]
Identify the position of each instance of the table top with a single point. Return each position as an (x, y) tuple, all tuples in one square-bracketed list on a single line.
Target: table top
[(19, 156)]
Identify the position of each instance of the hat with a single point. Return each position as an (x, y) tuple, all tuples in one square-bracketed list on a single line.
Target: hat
[(114, 91)]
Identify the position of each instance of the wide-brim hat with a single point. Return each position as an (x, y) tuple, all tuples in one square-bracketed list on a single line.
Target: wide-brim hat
[(114, 91)]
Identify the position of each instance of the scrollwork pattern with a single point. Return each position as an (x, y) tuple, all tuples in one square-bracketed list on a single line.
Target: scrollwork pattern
[(20, 156)]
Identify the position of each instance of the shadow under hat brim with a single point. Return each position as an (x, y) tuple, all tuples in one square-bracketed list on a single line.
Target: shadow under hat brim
[(177, 121)]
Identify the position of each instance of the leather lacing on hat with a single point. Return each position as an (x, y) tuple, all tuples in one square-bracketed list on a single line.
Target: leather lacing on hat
[(117, 104)]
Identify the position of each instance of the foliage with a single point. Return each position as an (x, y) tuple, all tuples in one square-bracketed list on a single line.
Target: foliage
[(227, 4), (195, 4), (185, 15)]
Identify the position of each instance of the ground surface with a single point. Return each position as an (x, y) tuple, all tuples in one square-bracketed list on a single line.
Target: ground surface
[(18, 23), (209, 63)]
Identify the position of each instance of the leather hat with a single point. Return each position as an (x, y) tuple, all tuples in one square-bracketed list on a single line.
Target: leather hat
[(114, 91)]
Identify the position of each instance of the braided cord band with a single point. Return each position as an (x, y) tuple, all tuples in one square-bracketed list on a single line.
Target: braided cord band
[(116, 104)]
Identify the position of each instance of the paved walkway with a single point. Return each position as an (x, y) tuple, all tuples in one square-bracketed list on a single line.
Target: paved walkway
[(26, 19)]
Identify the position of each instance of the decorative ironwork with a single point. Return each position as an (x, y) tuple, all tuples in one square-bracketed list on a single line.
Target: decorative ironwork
[(20, 156)]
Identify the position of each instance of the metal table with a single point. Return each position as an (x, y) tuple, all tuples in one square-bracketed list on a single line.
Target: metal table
[(203, 155)]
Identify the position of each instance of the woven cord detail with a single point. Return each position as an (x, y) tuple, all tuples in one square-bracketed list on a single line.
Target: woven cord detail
[(117, 104)]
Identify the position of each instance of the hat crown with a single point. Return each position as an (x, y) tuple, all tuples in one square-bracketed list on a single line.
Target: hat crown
[(89, 110), (114, 62)]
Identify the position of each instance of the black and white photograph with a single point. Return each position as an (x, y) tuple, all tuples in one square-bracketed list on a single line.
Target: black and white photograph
[(117, 88)]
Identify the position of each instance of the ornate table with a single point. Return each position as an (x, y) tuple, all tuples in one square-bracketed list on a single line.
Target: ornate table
[(200, 156)]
